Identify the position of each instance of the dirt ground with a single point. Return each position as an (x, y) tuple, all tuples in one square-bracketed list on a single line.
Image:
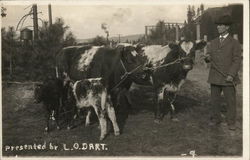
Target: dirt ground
[(23, 124)]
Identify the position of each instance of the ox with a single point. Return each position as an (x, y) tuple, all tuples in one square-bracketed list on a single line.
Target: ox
[(168, 67), (115, 66), (50, 93)]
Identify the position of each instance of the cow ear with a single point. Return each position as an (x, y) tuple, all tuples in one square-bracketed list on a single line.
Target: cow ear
[(173, 46), (139, 47), (200, 45)]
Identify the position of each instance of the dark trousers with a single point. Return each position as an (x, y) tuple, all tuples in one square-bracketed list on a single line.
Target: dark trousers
[(230, 96)]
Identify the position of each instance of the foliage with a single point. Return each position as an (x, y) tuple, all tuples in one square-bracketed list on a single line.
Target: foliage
[(34, 60), (3, 11), (99, 41), (157, 34), (162, 34), (9, 39)]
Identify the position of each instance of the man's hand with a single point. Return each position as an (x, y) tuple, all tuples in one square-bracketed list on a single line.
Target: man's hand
[(229, 78), (207, 58)]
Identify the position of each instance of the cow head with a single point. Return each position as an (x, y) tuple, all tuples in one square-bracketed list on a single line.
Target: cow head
[(131, 59), (128, 53), (185, 51)]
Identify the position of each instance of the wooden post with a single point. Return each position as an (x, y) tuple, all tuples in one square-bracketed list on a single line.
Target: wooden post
[(198, 31), (205, 51), (35, 22), (205, 48), (164, 36), (50, 15), (146, 33), (177, 33), (119, 38), (11, 68)]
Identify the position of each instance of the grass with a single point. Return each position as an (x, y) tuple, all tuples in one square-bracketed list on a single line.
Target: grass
[(24, 122)]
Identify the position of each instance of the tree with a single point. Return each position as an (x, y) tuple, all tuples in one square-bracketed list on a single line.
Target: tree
[(190, 14), (157, 35), (51, 40), (9, 43), (55, 37), (193, 12), (3, 11), (99, 41), (35, 62), (69, 39), (201, 8)]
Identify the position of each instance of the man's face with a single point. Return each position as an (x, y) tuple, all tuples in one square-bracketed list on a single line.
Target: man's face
[(222, 29)]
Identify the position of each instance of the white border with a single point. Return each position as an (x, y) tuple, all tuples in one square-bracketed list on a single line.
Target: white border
[(162, 2)]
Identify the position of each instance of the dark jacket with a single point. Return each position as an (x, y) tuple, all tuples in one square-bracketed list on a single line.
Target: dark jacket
[(226, 58)]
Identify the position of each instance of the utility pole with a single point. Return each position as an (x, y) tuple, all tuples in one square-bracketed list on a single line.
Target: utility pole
[(50, 15), (177, 29), (35, 22), (119, 38), (146, 33)]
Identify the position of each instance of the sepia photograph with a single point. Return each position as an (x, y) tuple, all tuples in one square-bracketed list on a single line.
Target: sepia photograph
[(124, 79)]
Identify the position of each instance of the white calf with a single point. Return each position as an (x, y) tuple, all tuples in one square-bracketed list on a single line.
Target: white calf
[(92, 93)]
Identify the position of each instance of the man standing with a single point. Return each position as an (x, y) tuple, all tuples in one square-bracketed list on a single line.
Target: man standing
[(224, 54)]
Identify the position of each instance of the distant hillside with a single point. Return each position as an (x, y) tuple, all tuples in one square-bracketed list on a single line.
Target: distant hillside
[(129, 38)]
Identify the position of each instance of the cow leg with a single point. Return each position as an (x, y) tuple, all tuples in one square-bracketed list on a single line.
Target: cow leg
[(47, 116), (71, 117), (112, 117), (172, 112), (127, 94), (103, 124), (102, 120), (70, 121), (57, 118), (61, 105), (77, 114), (159, 107), (129, 102), (87, 121), (169, 97)]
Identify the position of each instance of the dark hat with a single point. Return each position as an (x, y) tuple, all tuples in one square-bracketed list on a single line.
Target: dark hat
[(226, 20)]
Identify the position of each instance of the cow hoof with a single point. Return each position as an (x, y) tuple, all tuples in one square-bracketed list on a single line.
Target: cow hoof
[(117, 133), (69, 128), (87, 124), (157, 121), (175, 119), (46, 130), (102, 138)]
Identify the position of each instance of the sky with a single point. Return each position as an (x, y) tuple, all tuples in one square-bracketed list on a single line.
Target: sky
[(85, 20)]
